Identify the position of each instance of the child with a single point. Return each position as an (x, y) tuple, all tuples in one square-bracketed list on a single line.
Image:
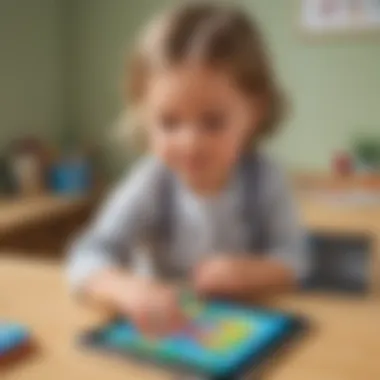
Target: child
[(209, 206)]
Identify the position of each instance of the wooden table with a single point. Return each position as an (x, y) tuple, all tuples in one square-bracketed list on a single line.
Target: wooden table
[(345, 344)]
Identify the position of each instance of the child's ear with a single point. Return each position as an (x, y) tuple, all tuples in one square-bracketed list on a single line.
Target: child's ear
[(259, 111)]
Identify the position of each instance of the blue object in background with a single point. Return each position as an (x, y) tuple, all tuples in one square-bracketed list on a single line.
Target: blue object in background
[(12, 336), (71, 177)]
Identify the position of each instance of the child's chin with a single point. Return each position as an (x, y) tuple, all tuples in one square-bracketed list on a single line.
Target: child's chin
[(197, 180), (195, 173)]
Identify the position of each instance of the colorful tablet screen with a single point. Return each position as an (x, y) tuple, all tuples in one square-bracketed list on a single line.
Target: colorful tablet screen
[(218, 339)]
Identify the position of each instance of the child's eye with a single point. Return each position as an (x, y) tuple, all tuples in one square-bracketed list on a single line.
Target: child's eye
[(213, 121), (169, 122)]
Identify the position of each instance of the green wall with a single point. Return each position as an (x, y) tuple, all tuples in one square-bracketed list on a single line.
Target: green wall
[(31, 68), (105, 34), (334, 84), (61, 64)]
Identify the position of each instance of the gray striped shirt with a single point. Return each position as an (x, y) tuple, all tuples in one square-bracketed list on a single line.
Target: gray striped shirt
[(201, 226)]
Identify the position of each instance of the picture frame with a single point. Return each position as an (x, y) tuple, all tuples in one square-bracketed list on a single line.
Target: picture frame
[(319, 18)]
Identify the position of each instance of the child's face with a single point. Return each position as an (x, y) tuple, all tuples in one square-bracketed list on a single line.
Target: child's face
[(198, 123)]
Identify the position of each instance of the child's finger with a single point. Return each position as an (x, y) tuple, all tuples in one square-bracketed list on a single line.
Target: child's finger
[(167, 312), (141, 319), (177, 318)]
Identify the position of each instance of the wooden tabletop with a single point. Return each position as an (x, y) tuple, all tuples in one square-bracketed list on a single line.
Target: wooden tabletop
[(344, 345)]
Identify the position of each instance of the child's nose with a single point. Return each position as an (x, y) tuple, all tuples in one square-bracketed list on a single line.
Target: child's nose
[(190, 140)]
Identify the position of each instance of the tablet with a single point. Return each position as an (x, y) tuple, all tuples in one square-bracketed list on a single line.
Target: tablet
[(220, 341)]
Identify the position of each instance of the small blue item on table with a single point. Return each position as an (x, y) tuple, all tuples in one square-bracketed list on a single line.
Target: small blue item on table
[(13, 337)]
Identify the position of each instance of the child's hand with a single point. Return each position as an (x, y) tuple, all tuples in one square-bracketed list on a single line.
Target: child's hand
[(221, 276), (153, 307), (241, 277)]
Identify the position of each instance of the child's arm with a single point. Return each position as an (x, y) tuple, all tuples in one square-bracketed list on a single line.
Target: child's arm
[(98, 267), (285, 264), (102, 253), (243, 277)]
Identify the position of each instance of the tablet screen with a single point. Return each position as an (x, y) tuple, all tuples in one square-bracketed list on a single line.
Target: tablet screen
[(218, 339)]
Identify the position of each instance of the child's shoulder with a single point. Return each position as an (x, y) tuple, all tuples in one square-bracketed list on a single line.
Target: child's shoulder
[(146, 165), (276, 181), (139, 185), (268, 167), (146, 172), (266, 175)]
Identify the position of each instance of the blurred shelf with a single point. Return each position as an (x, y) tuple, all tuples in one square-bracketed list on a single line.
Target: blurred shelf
[(44, 222), (336, 206), (16, 213)]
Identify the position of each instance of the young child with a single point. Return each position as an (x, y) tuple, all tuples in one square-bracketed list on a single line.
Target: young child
[(205, 202)]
